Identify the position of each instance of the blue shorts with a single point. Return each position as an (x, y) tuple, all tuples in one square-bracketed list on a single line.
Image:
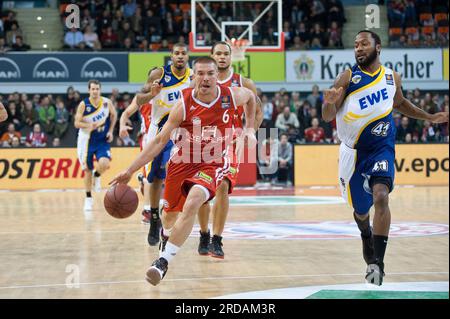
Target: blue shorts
[(157, 167), (356, 170), (86, 153)]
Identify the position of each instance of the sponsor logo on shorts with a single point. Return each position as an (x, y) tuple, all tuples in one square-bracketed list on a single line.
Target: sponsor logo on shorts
[(321, 230), (204, 177)]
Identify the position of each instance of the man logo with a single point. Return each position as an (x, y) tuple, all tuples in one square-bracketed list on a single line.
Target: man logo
[(98, 68), (50, 68), (9, 69)]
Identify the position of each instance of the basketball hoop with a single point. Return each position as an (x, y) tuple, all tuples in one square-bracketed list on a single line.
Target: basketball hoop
[(238, 48)]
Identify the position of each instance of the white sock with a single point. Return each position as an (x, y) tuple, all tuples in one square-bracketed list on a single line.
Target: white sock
[(166, 232), (147, 207), (170, 252)]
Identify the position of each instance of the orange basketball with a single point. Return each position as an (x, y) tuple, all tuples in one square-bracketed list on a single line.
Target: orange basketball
[(121, 201)]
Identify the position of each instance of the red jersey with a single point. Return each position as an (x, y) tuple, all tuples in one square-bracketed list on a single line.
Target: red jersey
[(145, 111), (315, 135), (209, 126), (235, 80)]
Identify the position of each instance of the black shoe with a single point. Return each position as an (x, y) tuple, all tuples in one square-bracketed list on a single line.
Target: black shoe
[(153, 233), (163, 241), (203, 246), (375, 274), (368, 248), (157, 271), (215, 248)]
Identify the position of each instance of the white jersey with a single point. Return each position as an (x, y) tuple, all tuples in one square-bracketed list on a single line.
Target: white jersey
[(365, 119), (170, 94)]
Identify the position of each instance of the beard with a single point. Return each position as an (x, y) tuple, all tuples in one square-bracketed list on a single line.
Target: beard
[(369, 60), (177, 66)]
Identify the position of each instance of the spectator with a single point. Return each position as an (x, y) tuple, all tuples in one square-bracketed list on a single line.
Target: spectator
[(408, 138), (73, 38), (36, 138), (90, 37), (61, 118), (46, 115), (56, 142), (428, 133), (403, 130), (127, 45), (7, 137), (286, 119), (19, 45), (109, 39), (284, 160), (3, 46), (14, 115), (30, 115), (314, 98), (15, 142), (315, 134), (129, 8), (126, 32), (11, 36)]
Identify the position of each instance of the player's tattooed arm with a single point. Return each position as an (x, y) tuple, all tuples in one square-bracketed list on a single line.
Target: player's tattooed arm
[(125, 117), (3, 113), (155, 146), (151, 88), (113, 118), (249, 84), (334, 97), (407, 108)]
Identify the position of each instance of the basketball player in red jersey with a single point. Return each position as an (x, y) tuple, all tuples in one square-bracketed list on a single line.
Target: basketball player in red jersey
[(221, 52), (205, 116), (3, 113)]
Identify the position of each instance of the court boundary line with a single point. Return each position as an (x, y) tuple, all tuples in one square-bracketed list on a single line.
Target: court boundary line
[(71, 285)]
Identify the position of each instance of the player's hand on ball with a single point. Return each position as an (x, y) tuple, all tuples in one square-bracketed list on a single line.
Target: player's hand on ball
[(122, 178), (330, 96), (441, 117)]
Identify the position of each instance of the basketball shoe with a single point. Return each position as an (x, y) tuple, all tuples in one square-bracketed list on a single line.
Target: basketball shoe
[(375, 274), (140, 178), (157, 271), (153, 232), (146, 217), (203, 246), (215, 248)]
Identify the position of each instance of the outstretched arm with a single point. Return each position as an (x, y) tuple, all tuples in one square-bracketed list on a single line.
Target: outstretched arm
[(405, 107), (3, 113), (151, 88), (127, 113), (154, 147), (334, 97)]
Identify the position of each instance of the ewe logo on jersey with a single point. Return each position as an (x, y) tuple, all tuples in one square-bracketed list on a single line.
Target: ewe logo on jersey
[(374, 98), (173, 96)]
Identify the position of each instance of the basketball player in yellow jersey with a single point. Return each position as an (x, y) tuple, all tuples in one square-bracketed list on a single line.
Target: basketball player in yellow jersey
[(221, 52), (95, 119), (3, 113), (163, 90), (362, 100)]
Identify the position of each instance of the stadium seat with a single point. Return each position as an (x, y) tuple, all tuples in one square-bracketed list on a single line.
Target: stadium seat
[(443, 30), (429, 30), (425, 17), (440, 16)]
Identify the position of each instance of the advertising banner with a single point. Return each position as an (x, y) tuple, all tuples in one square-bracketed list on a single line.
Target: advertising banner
[(415, 65), (63, 67), (256, 65), (424, 164)]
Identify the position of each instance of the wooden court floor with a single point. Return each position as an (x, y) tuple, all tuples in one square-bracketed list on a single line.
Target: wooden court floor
[(50, 248)]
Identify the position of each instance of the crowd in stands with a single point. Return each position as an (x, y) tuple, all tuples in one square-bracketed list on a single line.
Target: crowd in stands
[(11, 36), (418, 23)]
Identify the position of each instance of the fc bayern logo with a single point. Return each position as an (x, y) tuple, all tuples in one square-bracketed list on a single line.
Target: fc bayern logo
[(304, 67)]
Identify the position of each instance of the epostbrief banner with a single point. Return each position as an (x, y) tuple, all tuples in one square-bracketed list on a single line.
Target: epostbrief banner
[(415, 164)]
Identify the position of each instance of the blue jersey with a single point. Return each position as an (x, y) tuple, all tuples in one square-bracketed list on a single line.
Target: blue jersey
[(365, 121)]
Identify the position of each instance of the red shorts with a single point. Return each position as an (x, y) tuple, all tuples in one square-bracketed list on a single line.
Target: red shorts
[(182, 176)]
